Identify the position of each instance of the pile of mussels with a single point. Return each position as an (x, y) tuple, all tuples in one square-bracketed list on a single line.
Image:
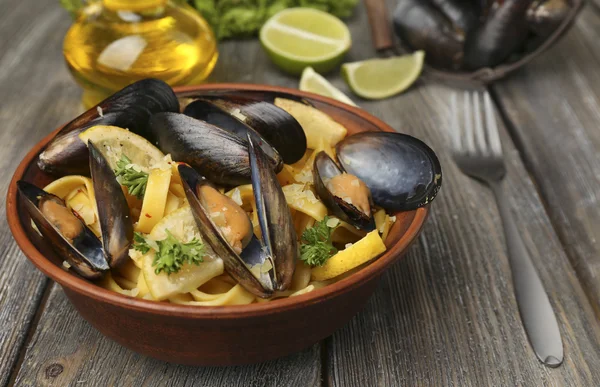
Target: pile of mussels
[(473, 34), (223, 138)]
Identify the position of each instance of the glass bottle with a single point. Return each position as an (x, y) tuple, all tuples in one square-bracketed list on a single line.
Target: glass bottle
[(116, 42)]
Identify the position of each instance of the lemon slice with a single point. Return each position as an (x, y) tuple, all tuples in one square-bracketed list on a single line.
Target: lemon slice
[(353, 256), (383, 78), (114, 142), (313, 82), (299, 37)]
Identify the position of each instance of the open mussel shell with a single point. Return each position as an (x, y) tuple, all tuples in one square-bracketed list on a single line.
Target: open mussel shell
[(220, 156), (278, 234), (325, 169), (83, 252), (402, 172), (208, 112), (129, 108), (238, 266), (113, 211), (274, 124), (257, 95)]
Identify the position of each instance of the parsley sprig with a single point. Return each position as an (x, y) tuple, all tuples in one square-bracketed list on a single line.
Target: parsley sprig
[(316, 247), (171, 254), (134, 180)]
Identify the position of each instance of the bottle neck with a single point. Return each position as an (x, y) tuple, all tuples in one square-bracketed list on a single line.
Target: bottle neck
[(133, 5)]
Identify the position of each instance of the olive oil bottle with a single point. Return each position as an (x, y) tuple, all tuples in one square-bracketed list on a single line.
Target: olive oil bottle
[(116, 42)]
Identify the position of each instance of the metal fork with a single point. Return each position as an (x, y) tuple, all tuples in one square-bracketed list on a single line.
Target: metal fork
[(478, 153)]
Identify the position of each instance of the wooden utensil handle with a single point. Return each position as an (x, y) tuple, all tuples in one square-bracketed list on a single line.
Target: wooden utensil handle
[(381, 31)]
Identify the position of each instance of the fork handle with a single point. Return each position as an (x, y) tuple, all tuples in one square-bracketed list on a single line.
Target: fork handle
[(534, 306)]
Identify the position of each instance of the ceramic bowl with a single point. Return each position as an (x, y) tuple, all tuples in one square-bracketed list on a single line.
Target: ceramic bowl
[(227, 335)]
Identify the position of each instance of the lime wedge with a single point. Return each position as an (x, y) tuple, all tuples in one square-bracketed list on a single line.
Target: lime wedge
[(313, 82), (299, 37), (383, 78)]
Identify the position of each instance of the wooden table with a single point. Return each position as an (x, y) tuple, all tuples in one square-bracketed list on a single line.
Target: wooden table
[(445, 315)]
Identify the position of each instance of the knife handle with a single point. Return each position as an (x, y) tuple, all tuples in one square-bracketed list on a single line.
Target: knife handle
[(381, 32)]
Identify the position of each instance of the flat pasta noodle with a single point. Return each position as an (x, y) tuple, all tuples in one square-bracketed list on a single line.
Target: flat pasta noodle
[(155, 199), (237, 295)]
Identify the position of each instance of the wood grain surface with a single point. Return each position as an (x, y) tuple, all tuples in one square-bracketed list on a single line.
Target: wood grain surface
[(553, 106), (446, 315), (33, 100)]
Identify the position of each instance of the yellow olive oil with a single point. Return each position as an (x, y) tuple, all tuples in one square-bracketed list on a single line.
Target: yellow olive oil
[(114, 43)]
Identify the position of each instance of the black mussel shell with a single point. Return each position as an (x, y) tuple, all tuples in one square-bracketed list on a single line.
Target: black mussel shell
[(128, 108), (216, 153), (325, 169), (545, 16), (503, 33), (274, 124), (278, 234), (463, 13), (208, 112), (424, 27), (84, 253), (257, 95), (402, 172), (237, 266), (113, 211)]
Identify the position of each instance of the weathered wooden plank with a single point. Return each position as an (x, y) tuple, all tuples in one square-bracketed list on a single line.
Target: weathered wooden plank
[(446, 315), (66, 350), (33, 101), (554, 107)]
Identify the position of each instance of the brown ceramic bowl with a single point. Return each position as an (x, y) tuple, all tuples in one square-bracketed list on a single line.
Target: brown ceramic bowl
[(226, 335)]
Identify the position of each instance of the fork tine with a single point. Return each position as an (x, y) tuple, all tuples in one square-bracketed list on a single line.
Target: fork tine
[(479, 134), (455, 129), (492, 125), (468, 120)]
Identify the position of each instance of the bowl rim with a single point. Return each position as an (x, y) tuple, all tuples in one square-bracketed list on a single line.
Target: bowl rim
[(97, 293)]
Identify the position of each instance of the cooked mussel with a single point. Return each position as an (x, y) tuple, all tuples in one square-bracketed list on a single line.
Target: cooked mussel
[(65, 232), (274, 124), (220, 156), (402, 172), (261, 266), (113, 211), (423, 26), (344, 194), (129, 108), (500, 36), (545, 16), (208, 112)]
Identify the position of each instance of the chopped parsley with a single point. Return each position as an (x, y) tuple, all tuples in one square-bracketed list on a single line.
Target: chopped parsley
[(316, 247), (170, 254), (134, 180)]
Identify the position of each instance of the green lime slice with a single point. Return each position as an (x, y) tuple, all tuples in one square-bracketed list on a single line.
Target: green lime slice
[(313, 82), (383, 78), (299, 37)]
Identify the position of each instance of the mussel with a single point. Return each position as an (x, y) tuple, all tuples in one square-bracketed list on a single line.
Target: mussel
[(500, 36), (115, 219), (274, 124), (545, 16), (129, 108), (421, 25), (261, 266), (65, 232), (402, 172), (219, 155), (345, 195), (212, 114)]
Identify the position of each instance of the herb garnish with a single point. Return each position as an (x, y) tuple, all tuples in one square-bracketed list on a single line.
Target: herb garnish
[(134, 180), (171, 253), (316, 246)]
